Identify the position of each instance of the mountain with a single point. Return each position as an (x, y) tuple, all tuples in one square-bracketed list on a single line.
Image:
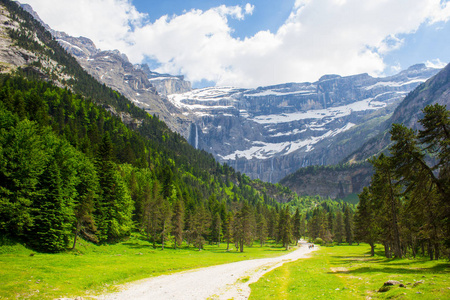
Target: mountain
[(145, 88), (267, 132), (270, 132), (77, 158), (353, 172)]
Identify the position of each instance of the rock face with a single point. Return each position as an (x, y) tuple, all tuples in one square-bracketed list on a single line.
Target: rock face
[(272, 131), (115, 70), (13, 56), (350, 178), (136, 82), (166, 84), (408, 112), (333, 182)]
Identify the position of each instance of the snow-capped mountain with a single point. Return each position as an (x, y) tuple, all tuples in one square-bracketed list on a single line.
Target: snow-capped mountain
[(269, 132)]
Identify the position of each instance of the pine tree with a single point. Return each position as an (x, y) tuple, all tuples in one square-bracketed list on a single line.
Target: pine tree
[(216, 228), (243, 226), (339, 232), (348, 224), (366, 223), (52, 223), (261, 229), (178, 223), (228, 233), (296, 225), (285, 227)]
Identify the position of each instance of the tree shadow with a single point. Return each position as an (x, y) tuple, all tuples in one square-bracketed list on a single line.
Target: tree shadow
[(137, 245), (442, 268)]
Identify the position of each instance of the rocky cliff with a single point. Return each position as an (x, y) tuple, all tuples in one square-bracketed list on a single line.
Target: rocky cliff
[(329, 181), (354, 172), (146, 89), (166, 84), (270, 132)]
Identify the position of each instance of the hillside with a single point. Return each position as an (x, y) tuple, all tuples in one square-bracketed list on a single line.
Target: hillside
[(105, 166), (408, 112)]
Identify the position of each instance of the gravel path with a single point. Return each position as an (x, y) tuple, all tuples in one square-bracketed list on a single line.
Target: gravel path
[(217, 282)]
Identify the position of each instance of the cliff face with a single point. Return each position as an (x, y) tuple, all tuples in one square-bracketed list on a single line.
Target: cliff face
[(270, 132), (133, 81), (408, 112), (115, 70), (354, 175), (334, 182), (166, 84)]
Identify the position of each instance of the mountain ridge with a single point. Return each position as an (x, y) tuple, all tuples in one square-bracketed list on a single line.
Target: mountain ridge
[(338, 181), (269, 132)]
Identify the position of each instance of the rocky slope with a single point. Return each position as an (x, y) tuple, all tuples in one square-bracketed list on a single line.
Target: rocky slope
[(354, 174), (13, 56), (146, 89), (408, 112), (270, 132)]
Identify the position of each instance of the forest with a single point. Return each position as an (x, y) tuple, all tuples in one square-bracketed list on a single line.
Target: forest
[(407, 206)]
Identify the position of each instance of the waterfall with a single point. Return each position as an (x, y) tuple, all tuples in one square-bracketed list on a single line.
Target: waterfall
[(196, 136), (271, 172)]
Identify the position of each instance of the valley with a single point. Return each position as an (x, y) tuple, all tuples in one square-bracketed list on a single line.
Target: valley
[(118, 181)]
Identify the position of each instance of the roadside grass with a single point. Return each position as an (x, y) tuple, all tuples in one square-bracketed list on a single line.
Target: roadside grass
[(91, 269), (348, 272)]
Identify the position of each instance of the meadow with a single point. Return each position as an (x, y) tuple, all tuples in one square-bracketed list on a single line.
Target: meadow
[(92, 270), (348, 272)]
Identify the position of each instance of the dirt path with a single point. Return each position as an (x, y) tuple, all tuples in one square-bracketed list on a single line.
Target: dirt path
[(228, 281)]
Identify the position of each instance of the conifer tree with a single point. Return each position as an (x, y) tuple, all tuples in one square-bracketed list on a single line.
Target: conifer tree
[(228, 233), (261, 229), (178, 223), (243, 226), (296, 225), (52, 224), (285, 227), (366, 223), (339, 232), (348, 224)]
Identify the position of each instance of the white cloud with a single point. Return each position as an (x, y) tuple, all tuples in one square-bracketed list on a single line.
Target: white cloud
[(319, 37), (435, 63)]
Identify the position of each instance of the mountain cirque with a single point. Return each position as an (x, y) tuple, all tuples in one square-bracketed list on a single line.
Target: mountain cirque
[(270, 132), (267, 132)]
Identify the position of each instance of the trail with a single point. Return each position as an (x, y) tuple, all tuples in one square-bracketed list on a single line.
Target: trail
[(227, 281)]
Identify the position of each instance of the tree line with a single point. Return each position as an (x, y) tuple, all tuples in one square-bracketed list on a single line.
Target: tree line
[(407, 205)]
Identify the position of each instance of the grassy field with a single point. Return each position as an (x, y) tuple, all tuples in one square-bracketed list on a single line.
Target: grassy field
[(348, 272), (97, 269)]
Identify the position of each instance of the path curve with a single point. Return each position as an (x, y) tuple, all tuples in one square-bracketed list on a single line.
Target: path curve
[(227, 281)]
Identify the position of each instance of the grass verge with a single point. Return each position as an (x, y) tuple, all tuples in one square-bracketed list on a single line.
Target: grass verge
[(92, 269), (348, 272)]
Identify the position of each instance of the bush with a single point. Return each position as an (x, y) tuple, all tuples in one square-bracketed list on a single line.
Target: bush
[(318, 241)]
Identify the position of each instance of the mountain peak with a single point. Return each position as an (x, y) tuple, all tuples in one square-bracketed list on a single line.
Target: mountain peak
[(329, 77)]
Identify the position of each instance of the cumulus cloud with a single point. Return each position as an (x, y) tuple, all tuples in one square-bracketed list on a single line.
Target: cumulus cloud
[(319, 37), (435, 63)]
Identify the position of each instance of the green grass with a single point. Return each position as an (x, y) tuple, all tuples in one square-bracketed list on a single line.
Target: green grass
[(92, 269), (348, 272)]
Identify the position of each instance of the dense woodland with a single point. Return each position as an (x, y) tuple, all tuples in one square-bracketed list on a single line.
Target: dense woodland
[(407, 205)]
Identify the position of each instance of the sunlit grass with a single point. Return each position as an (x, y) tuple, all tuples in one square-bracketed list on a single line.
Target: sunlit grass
[(92, 269), (348, 272)]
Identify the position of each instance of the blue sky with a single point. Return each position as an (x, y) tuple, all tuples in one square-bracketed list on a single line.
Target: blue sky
[(261, 42), (267, 14)]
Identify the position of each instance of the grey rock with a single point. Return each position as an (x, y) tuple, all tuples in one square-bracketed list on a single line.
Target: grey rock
[(270, 132)]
